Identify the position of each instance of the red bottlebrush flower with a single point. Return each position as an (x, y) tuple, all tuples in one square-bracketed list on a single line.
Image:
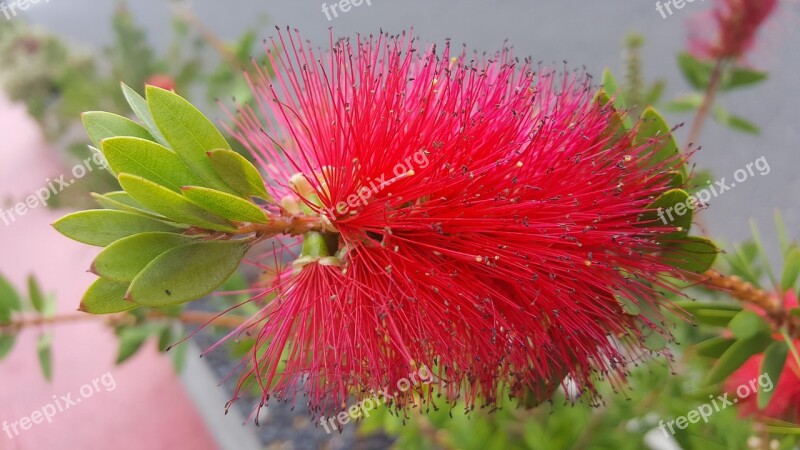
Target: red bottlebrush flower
[(162, 81), (481, 218), (785, 401), (737, 22)]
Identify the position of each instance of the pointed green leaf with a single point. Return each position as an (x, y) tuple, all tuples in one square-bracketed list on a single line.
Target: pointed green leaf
[(164, 339), (140, 108), (736, 355), (694, 254), (189, 133), (741, 77), (122, 201), (179, 354), (723, 117), (791, 269), (125, 258), (172, 205), (35, 293), (774, 361), (238, 173), (696, 72), (9, 301), (131, 340), (670, 209), (611, 87), (747, 324), (102, 226), (187, 273), (148, 160), (713, 317), (44, 350), (6, 344), (654, 129), (780, 231), (106, 297), (103, 125), (714, 347), (225, 205)]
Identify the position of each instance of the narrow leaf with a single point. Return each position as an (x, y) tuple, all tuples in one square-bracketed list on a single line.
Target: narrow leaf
[(35, 293), (238, 173), (695, 254), (106, 297), (131, 340), (670, 209), (125, 258), (791, 269), (140, 108), (654, 130), (714, 347), (772, 366), (122, 201), (171, 204), (6, 344), (102, 227), (737, 355), (148, 160), (44, 350), (225, 205), (747, 324), (189, 133), (103, 125), (187, 273)]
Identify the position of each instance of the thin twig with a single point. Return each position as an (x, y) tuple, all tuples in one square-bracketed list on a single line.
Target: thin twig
[(708, 101)]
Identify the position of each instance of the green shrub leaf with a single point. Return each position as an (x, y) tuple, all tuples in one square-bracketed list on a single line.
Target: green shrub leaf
[(101, 125), (791, 269), (187, 273), (694, 254), (148, 160), (774, 361), (670, 209), (101, 227), (225, 205), (171, 204), (238, 173), (653, 128), (106, 297), (142, 111), (747, 324), (736, 355), (189, 133), (125, 258)]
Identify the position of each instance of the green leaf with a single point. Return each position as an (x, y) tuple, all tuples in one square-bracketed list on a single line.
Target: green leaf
[(611, 87), (741, 77), (723, 117), (747, 324), (774, 361), (125, 258), (697, 73), (670, 209), (791, 269), (148, 160), (187, 273), (106, 297), (35, 293), (131, 340), (102, 226), (736, 355), (189, 133), (238, 173), (9, 301), (164, 339), (103, 125), (690, 305), (694, 254), (179, 354), (714, 347), (654, 129), (122, 201), (44, 350), (783, 236), (685, 103), (171, 204), (713, 317), (140, 108), (6, 344), (225, 205)]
